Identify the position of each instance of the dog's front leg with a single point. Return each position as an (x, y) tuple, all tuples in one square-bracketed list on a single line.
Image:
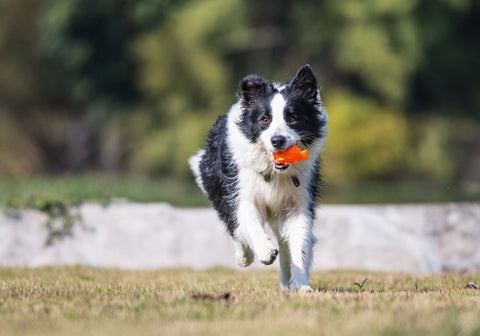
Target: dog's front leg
[(251, 228), (297, 232)]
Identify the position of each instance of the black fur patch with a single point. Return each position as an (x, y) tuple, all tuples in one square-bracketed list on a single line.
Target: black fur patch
[(314, 188), (219, 174), (256, 94), (301, 112)]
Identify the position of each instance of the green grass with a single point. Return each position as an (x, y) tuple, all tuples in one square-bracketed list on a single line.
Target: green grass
[(409, 191), (74, 189), (39, 192), (86, 301)]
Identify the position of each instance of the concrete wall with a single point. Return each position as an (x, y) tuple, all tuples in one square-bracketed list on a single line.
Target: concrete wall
[(406, 238)]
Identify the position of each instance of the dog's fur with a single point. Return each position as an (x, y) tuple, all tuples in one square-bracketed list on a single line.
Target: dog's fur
[(248, 190)]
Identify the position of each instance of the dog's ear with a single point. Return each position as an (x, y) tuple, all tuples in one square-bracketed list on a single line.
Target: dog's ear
[(304, 84), (253, 88)]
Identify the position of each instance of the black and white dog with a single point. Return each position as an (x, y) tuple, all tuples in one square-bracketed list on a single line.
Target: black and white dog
[(248, 189)]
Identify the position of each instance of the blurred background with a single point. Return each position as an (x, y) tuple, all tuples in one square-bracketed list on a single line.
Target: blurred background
[(108, 98)]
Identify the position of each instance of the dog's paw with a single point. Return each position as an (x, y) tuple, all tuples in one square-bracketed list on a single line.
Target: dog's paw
[(244, 258), (243, 254), (305, 289), (269, 257), (301, 290), (244, 261), (301, 286)]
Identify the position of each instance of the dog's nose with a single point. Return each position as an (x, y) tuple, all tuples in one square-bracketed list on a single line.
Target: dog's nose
[(278, 141)]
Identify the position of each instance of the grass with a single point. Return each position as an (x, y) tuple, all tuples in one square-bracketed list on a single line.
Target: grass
[(40, 192), (402, 191), (87, 301), (73, 189)]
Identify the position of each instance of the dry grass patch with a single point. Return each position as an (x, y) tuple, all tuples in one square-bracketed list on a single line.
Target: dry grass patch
[(80, 301)]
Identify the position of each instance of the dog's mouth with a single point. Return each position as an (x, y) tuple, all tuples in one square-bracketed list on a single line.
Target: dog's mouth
[(280, 166)]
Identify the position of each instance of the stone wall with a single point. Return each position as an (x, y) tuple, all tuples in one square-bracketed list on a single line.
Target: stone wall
[(399, 238)]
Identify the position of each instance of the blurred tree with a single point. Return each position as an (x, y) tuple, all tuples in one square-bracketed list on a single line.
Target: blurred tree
[(19, 155), (431, 152), (117, 83), (365, 141), (21, 87), (447, 79), (184, 73), (21, 80), (369, 46), (87, 43), (92, 74)]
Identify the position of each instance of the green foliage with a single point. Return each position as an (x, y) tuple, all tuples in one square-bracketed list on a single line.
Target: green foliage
[(368, 142), (87, 43), (359, 44), (446, 80), (60, 218), (191, 78), (18, 193), (21, 77), (189, 84), (374, 42), (161, 152), (12, 142), (432, 155), (419, 190), (146, 79), (365, 141)]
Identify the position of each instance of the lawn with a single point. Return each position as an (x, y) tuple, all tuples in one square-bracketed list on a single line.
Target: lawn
[(72, 189), (87, 301)]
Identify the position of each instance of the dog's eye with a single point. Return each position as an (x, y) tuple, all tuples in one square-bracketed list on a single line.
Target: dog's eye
[(265, 120), (291, 119)]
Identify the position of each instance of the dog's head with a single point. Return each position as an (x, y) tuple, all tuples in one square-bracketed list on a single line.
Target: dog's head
[(280, 116)]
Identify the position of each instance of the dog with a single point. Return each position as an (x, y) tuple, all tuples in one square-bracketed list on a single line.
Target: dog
[(249, 190)]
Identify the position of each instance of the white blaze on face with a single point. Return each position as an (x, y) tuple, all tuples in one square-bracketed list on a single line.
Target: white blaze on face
[(278, 125)]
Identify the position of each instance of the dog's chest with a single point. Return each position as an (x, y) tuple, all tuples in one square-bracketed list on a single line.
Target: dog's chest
[(274, 192)]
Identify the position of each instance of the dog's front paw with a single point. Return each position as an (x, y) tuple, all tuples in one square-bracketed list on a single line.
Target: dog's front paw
[(244, 261), (269, 257), (244, 255)]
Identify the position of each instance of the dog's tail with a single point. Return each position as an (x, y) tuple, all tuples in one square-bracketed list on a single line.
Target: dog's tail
[(194, 163)]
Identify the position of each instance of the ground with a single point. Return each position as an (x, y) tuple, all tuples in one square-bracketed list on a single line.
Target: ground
[(88, 301)]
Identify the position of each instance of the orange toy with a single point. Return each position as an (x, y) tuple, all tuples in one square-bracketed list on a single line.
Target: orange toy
[(290, 155)]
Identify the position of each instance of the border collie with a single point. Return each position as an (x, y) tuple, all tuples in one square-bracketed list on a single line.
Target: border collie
[(249, 190)]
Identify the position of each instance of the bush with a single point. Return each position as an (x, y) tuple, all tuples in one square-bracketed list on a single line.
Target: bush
[(166, 150), (19, 154), (432, 149), (365, 141)]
